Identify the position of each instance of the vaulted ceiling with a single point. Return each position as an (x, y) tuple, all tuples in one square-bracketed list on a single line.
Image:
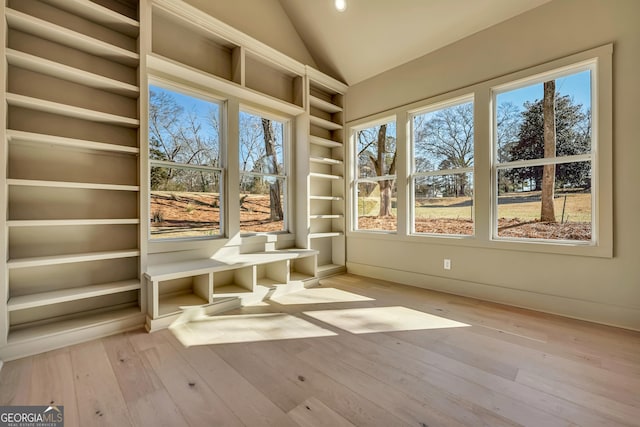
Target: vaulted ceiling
[(373, 36)]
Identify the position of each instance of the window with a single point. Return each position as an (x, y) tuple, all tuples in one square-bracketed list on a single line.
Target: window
[(263, 174), (375, 184), (442, 171), (186, 177), (543, 158)]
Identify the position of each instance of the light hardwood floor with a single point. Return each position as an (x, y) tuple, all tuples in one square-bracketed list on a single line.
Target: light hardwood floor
[(413, 357)]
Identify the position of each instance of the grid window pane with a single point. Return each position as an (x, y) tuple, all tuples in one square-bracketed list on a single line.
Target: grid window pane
[(371, 210), (444, 204), (184, 203), (257, 212), (520, 203), (183, 129), (443, 140), (263, 185), (376, 199), (549, 197)]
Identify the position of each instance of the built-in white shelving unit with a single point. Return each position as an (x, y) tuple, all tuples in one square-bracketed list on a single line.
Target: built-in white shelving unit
[(74, 263), (72, 270), (41, 28), (325, 172), (235, 65)]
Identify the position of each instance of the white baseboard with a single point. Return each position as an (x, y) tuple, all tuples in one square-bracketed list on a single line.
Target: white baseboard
[(74, 336), (622, 317)]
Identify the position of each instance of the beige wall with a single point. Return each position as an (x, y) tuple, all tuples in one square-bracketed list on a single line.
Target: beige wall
[(605, 290), (264, 20)]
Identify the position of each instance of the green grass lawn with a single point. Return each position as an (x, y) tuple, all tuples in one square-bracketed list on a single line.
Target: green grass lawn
[(525, 206), (577, 208)]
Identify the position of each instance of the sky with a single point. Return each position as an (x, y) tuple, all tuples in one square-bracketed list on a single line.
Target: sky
[(250, 125), (578, 86)]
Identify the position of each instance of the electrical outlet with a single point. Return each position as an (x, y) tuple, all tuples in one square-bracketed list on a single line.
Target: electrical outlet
[(447, 264)]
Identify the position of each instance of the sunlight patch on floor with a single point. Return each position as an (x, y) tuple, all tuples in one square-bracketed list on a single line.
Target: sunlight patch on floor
[(319, 296), (245, 328), (382, 319)]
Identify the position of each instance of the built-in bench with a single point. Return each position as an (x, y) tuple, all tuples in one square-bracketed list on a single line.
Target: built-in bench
[(222, 283)]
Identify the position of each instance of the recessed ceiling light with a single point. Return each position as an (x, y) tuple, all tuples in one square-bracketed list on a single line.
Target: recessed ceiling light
[(341, 5)]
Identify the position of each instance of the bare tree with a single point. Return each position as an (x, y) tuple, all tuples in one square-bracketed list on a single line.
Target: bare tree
[(378, 156), (547, 212), (180, 136), (445, 139), (275, 201)]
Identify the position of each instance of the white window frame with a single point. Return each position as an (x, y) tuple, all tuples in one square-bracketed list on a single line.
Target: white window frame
[(441, 172), (286, 170), (357, 180), (484, 189), (497, 166), (195, 93)]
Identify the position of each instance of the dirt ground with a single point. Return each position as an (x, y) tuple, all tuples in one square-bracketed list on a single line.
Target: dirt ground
[(506, 228), (198, 214)]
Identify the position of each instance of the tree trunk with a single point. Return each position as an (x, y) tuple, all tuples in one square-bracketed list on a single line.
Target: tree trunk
[(547, 213), (385, 197), (275, 204), (379, 163)]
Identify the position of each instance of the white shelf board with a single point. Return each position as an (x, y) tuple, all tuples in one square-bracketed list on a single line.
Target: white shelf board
[(67, 222), (324, 235), (324, 142), (327, 216), (99, 14), (71, 258), (168, 305), (326, 161), (325, 176), (69, 110), (326, 124), (65, 72), (55, 33), (329, 269), (268, 282), (63, 295), (323, 105), (40, 138), (65, 184), (169, 67), (318, 78), (229, 290), (329, 198), (295, 276), (90, 319)]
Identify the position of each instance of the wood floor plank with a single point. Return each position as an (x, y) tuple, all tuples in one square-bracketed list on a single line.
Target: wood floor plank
[(156, 409), (509, 366), (253, 409), (313, 413), (100, 401), (196, 401), (15, 382), (398, 403), (289, 381), (282, 387), (50, 383), (612, 408), (135, 381), (469, 402), (558, 407)]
